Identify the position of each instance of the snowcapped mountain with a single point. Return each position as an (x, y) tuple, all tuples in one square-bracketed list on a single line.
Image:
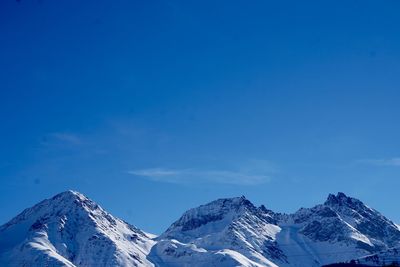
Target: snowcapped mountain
[(71, 230), (222, 226), (339, 230)]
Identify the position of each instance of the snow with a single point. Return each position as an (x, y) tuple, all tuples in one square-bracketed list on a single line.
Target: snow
[(71, 230), (242, 260), (172, 253), (233, 224), (382, 258)]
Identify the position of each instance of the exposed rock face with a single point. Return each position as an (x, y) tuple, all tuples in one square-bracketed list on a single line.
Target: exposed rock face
[(340, 229), (71, 230)]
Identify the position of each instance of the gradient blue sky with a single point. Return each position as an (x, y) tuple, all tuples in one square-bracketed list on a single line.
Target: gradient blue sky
[(154, 107)]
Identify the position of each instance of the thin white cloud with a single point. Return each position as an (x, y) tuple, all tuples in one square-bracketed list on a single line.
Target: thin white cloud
[(156, 172), (67, 138), (62, 138), (186, 176), (382, 162)]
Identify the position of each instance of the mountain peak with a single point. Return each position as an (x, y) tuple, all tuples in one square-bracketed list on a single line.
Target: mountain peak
[(70, 198), (235, 204), (227, 204), (54, 230), (221, 211), (72, 230), (68, 203), (70, 194), (341, 199), (236, 201)]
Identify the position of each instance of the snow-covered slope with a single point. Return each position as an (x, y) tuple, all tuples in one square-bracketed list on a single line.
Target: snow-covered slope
[(219, 227), (339, 230), (71, 230), (174, 253), (382, 258)]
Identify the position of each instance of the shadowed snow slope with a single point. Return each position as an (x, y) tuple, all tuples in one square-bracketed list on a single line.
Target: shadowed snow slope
[(71, 230), (339, 230), (234, 224)]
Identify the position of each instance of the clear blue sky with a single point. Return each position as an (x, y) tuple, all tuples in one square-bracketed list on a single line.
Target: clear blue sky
[(154, 107)]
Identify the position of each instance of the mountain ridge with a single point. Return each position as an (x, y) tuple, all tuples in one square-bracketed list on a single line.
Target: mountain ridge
[(71, 230)]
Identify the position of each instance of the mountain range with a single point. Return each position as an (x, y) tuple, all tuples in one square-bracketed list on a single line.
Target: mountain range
[(72, 230)]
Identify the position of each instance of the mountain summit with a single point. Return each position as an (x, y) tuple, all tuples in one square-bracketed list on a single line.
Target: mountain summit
[(72, 230), (232, 227), (340, 199)]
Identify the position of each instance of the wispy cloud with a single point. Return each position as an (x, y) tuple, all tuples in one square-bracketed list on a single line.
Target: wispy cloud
[(156, 172), (382, 162), (62, 138), (186, 176), (67, 137)]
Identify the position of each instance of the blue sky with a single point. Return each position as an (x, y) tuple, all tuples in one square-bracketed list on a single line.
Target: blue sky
[(154, 107)]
